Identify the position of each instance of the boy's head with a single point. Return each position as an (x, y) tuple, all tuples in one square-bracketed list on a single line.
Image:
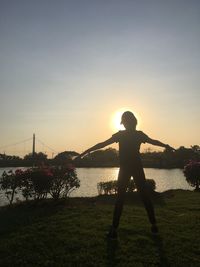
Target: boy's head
[(129, 120)]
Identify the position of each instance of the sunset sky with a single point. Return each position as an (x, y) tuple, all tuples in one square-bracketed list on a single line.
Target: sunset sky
[(68, 67)]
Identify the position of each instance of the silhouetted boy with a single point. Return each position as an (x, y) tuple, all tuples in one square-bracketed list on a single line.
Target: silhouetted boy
[(130, 165)]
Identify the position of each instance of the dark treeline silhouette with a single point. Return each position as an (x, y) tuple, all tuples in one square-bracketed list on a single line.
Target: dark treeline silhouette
[(165, 159), (100, 158), (168, 159), (108, 158)]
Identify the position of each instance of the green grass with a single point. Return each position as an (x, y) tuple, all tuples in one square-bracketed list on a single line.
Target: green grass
[(72, 233)]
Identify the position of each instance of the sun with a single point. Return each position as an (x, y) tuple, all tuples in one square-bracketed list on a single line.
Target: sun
[(116, 119)]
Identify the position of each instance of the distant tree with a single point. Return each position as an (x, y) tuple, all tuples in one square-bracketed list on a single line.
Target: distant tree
[(192, 173), (40, 156), (196, 148), (107, 157), (16, 158), (9, 157), (183, 155), (65, 156)]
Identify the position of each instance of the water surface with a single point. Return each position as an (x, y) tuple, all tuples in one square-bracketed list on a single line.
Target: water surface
[(165, 179)]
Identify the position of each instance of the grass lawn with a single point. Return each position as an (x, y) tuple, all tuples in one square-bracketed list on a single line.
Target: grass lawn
[(72, 233)]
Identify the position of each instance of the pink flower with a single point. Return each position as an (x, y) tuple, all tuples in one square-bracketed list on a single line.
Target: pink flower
[(18, 172), (47, 172)]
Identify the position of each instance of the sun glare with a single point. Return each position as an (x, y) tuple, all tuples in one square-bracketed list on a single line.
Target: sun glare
[(116, 119)]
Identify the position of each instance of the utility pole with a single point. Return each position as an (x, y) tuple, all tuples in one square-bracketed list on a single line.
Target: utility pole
[(33, 150)]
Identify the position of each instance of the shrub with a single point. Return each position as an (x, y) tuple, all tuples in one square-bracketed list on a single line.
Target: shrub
[(192, 173), (63, 181), (27, 188), (110, 187), (106, 188), (39, 182), (131, 186), (9, 182)]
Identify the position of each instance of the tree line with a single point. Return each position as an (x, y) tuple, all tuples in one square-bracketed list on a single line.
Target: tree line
[(107, 158)]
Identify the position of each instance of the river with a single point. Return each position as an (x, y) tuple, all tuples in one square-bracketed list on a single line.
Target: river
[(89, 177)]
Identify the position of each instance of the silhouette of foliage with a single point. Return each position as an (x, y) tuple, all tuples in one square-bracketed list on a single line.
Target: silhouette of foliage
[(63, 181), (9, 157), (37, 156), (40, 182), (110, 187), (106, 188), (192, 173), (66, 155), (109, 158), (9, 182), (106, 158)]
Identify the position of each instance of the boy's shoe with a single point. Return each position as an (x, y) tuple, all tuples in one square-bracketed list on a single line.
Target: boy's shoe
[(154, 229), (112, 234)]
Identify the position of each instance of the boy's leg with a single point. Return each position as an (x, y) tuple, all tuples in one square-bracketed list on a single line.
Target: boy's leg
[(140, 182), (123, 179)]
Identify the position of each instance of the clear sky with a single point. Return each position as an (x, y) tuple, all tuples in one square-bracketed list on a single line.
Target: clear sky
[(67, 67)]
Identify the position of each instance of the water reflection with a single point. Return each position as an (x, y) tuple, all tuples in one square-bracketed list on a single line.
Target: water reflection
[(165, 179)]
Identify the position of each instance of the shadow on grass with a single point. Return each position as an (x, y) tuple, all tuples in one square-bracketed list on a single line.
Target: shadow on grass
[(112, 246), (132, 198), (158, 242), (113, 250), (12, 218)]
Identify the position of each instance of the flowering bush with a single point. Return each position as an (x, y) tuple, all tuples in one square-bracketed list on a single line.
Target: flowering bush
[(38, 182), (192, 173), (63, 181)]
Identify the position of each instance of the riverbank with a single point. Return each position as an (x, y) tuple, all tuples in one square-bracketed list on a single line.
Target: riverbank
[(86, 166), (71, 233), (89, 178)]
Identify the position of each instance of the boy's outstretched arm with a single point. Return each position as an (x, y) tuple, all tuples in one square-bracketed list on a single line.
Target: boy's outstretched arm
[(97, 146), (158, 143)]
